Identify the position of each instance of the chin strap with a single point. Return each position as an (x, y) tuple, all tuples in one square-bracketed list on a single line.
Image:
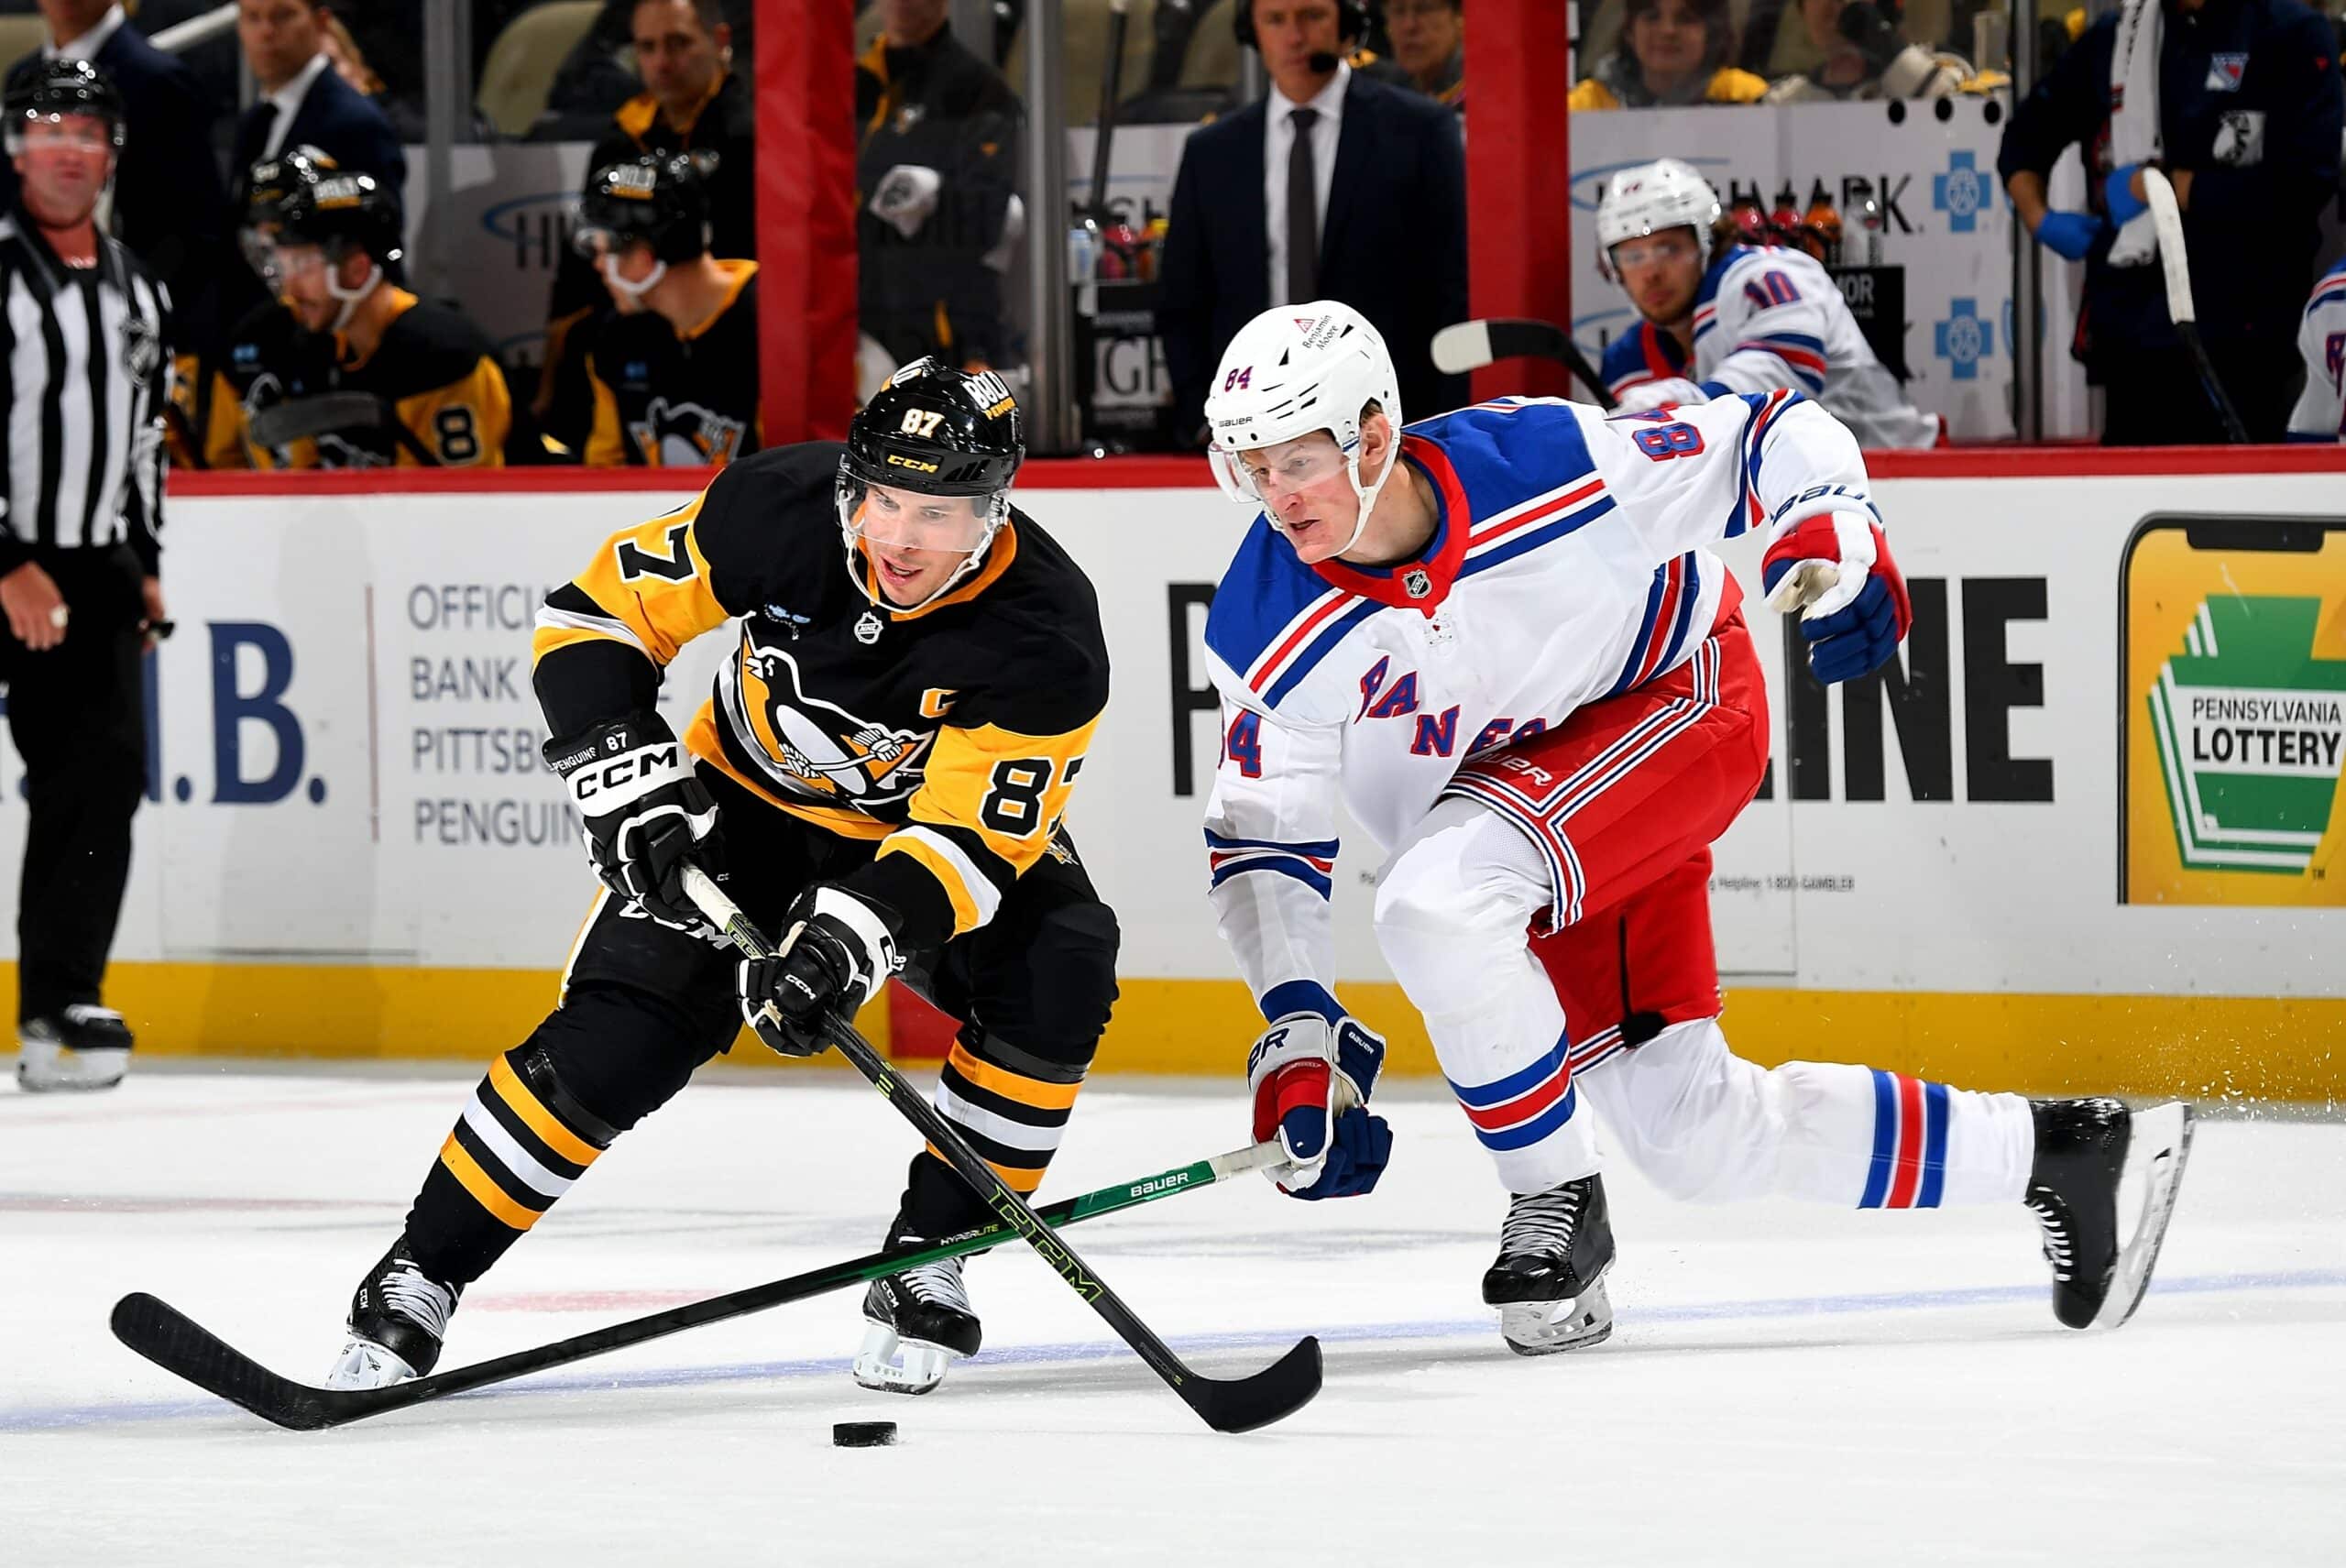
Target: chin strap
[(350, 298), (634, 290), (1368, 493)]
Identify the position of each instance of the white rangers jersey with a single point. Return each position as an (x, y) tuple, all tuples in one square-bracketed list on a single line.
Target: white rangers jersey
[(1766, 319), (1571, 562), (2320, 413)]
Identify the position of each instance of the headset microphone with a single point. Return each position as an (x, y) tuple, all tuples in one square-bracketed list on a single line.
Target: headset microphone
[(1322, 63)]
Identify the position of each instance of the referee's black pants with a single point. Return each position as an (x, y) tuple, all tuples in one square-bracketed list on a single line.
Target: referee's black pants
[(76, 714)]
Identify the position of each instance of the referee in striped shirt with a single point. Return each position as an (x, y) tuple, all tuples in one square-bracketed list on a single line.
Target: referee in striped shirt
[(83, 374)]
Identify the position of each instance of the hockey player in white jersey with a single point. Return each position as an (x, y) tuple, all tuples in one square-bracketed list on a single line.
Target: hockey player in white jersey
[(1718, 319), (1501, 641), (2320, 413)]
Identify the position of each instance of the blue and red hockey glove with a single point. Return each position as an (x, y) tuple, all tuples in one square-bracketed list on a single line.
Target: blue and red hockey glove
[(1310, 1080), (1836, 569)]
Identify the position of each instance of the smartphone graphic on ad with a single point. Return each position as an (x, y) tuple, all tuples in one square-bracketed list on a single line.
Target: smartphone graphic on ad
[(2232, 711)]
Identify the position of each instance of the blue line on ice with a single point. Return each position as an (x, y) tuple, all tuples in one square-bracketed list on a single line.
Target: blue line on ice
[(54, 1418)]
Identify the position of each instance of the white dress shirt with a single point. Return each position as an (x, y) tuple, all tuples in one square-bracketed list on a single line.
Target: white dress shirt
[(287, 100), (87, 46), (1279, 141)]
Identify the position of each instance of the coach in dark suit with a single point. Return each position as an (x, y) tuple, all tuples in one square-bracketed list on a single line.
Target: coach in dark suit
[(168, 206), (1334, 187), (304, 103)]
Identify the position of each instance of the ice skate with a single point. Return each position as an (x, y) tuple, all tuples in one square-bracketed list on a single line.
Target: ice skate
[(397, 1322), (1549, 1281), (2084, 1148), (919, 1325), (84, 1047)]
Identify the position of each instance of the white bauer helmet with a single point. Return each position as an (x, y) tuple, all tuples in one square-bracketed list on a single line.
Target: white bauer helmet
[(1650, 198), (1294, 371)]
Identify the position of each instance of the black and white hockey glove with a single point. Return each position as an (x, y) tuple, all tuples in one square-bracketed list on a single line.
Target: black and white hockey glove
[(836, 952), (640, 811)]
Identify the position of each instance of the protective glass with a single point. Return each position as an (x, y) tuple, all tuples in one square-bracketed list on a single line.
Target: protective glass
[(282, 260), (905, 520), (1259, 475)]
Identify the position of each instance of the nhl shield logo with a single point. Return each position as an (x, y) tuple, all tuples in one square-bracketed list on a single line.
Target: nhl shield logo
[(867, 628), (1416, 582)]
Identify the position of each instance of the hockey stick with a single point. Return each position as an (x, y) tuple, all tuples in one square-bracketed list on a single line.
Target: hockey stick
[(281, 424), (1226, 1405), (172, 1341), (2168, 219), (1470, 345)]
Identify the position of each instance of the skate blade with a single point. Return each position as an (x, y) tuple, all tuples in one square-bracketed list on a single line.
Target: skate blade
[(60, 1070), (1546, 1328), (363, 1364), (2160, 1139), (890, 1364)]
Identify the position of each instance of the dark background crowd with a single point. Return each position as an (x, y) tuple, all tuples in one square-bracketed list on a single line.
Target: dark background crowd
[(1269, 206)]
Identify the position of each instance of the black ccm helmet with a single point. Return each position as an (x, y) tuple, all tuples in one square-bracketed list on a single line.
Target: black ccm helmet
[(662, 201), (265, 186), (340, 214), (61, 87), (938, 432)]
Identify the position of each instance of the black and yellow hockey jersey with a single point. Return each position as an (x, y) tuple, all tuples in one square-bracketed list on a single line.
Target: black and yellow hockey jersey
[(434, 374), (665, 398), (950, 734)]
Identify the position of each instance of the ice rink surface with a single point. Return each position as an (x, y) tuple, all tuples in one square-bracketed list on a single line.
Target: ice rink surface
[(1787, 1385)]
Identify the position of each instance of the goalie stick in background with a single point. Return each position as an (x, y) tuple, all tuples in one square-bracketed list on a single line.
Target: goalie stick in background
[(1720, 319), (879, 773), (1501, 641)]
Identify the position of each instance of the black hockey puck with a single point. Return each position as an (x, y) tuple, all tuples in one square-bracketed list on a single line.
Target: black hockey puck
[(863, 1434)]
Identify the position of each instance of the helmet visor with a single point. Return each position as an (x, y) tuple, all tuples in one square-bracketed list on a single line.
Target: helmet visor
[(1259, 475), (886, 518)]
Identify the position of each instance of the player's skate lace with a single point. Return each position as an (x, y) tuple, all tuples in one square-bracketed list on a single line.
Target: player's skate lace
[(1542, 1222), (2052, 1215), (404, 1289), (937, 1284)]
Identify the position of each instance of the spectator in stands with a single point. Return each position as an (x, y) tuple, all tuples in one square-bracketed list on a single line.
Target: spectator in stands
[(1672, 53), (304, 102), (349, 62), (1334, 187), (936, 159), (1430, 44), (674, 368), (691, 103), (353, 371), (168, 205), (1866, 56), (2239, 101)]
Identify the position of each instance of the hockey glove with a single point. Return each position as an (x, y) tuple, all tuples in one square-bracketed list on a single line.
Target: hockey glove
[(1666, 393), (836, 952), (2069, 235), (1312, 1080), (2118, 198), (642, 812), (1837, 565)]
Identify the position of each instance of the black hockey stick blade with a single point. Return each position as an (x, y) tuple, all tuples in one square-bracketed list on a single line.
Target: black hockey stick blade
[(1273, 1394), (177, 1343), (1471, 346), (1233, 1405)]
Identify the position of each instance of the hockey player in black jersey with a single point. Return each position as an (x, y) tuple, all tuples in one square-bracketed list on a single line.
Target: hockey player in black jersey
[(879, 773), (427, 387), (675, 372)]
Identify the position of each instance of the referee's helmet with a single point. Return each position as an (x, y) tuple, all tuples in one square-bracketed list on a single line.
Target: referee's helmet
[(61, 87)]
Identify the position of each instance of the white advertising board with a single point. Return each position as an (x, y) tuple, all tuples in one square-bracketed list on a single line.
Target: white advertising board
[(346, 762)]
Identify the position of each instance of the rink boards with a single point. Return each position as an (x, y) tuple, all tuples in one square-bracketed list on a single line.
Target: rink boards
[(2017, 862)]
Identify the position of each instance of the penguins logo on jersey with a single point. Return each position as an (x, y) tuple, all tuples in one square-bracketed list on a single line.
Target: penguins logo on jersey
[(820, 749), (685, 436)]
